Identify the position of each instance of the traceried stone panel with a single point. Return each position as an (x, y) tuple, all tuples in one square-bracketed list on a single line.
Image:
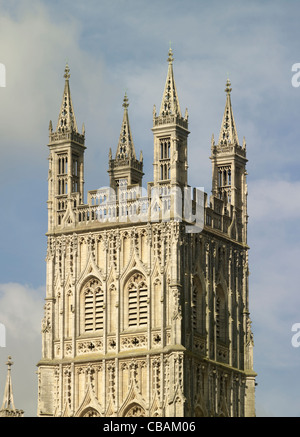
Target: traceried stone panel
[(135, 410), (112, 309), (156, 299), (126, 249), (101, 253), (198, 307), (221, 315), (144, 247), (69, 313), (82, 253), (91, 412)]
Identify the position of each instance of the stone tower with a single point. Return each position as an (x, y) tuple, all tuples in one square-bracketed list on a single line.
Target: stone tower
[(147, 308)]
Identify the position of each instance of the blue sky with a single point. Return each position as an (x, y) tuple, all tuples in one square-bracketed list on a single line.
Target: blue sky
[(117, 46)]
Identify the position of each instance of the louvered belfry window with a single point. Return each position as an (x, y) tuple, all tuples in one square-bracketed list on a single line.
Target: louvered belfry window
[(137, 301), (93, 306)]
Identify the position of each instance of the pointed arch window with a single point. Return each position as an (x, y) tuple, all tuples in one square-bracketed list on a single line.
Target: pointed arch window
[(164, 158), (165, 172), (165, 146), (62, 164), (137, 301), (224, 182), (92, 303)]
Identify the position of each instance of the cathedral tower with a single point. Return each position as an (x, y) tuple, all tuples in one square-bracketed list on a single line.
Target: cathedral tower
[(146, 314)]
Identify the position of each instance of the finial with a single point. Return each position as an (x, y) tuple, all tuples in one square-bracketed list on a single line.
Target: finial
[(125, 102), (83, 129), (154, 112), (170, 58), (9, 363), (67, 72), (50, 126), (186, 114), (228, 88), (212, 142)]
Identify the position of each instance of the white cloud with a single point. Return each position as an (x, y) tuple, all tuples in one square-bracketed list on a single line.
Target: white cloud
[(34, 47), (21, 311)]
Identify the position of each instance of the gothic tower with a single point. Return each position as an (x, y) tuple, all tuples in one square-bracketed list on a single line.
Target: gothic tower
[(170, 131), (66, 161), (229, 169), (147, 313)]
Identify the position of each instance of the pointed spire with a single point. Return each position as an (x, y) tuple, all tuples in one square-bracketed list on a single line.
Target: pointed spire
[(125, 147), (8, 400), (66, 119), (125, 166), (228, 133), (8, 406), (170, 101)]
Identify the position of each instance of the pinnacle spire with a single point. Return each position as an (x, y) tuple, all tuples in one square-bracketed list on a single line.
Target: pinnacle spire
[(8, 400), (228, 132), (125, 166), (170, 101), (8, 406), (125, 147), (66, 120)]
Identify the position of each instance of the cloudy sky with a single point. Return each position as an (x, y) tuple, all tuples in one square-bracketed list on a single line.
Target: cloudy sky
[(113, 46)]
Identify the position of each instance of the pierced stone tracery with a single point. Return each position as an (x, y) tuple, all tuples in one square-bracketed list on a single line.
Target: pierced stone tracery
[(135, 411)]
